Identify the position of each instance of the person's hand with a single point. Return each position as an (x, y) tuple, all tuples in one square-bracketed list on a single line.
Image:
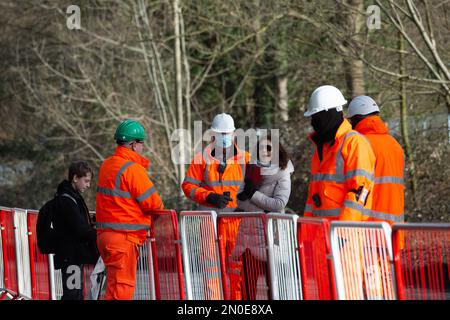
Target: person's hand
[(218, 200), (242, 196), (249, 188)]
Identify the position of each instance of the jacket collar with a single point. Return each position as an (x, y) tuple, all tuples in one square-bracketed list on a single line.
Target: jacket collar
[(130, 155), (66, 187), (210, 159), (371, 125), (343, 129)]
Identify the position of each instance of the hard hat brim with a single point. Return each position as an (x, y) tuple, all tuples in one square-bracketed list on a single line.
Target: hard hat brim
[(224, 131), (308, 113), (338, 108)]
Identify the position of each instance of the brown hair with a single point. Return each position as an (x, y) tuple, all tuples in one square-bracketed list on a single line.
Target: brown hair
[(283, 155), (80, 169)]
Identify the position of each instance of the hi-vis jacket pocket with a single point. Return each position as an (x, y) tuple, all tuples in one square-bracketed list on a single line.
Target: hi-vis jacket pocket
[(333, 194)]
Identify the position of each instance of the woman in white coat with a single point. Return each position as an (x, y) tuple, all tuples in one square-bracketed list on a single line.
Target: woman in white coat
[(267, 189), (267, 185)]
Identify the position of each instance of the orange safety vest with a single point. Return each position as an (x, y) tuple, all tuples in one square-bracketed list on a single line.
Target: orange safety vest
[(125, 194), (388, 191), (203, 177), (347, 166)]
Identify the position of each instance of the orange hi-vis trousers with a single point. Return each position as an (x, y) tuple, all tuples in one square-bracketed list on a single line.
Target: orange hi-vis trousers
[(120, 256), (234, 265)]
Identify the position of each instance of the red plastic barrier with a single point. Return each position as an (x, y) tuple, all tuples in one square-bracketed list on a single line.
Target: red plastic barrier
[(315, 259), (8, 249), (39, 264), (87, 283), (6, 294), (421, 257), (243, 256), (166, 251)]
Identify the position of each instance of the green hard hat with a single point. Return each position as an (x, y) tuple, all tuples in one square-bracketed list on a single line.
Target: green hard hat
[(129, 130)]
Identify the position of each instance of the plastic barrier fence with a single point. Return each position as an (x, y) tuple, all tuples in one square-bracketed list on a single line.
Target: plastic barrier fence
[(22, 252), (145, 282), (257, 259), (88, 293), (316, 264), (6, 294), (363, 260), (2, 247), (8, 277), (167, 262), (283, 256), (87, 285), (422, 256), (201, 255), (57, 276), (39, 263), (145, 287), (243, 256)]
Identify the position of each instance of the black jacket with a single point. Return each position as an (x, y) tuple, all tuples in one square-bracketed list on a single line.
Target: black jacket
[(77, 239)]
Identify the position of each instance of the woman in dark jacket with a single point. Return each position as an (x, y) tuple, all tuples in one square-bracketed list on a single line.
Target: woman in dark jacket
[(76, 236)]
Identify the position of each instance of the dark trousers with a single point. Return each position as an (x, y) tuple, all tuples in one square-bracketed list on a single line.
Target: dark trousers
[(72, 282), (252, 269)]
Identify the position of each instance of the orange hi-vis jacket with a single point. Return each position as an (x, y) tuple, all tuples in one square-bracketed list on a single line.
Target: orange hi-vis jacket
[(125, 195), (203, 177), (346, 169), (388, 191)]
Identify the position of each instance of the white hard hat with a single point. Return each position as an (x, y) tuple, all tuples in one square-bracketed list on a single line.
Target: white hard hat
[(362, 105), (223, 123), (325, 98)]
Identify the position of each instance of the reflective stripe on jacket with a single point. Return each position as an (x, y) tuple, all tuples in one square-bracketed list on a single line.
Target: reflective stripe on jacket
[(203, 177), (347, 166), (388, 191), (125, 194)]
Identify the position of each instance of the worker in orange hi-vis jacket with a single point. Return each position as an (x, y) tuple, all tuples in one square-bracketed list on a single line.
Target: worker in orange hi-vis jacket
[(342, 166), (125, 197), (213, 180), (388, 191)]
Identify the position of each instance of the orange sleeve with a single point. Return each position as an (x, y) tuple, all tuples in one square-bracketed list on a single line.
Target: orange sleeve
[(359, 167), (307, 212), (142, 189), (193, 181)]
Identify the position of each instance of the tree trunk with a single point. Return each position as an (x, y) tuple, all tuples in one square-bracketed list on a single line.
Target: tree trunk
[(354, 67), (357, 78), (282, 97), (260, 109), (179, 92), (404, 123)]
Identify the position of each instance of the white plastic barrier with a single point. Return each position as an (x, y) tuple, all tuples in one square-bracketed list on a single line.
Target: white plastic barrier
[(145, 282), (283, 256), (57, 289), (22, 253), (6, 294), (2, 272), (144, 290), (201, 255), (363, 260)]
